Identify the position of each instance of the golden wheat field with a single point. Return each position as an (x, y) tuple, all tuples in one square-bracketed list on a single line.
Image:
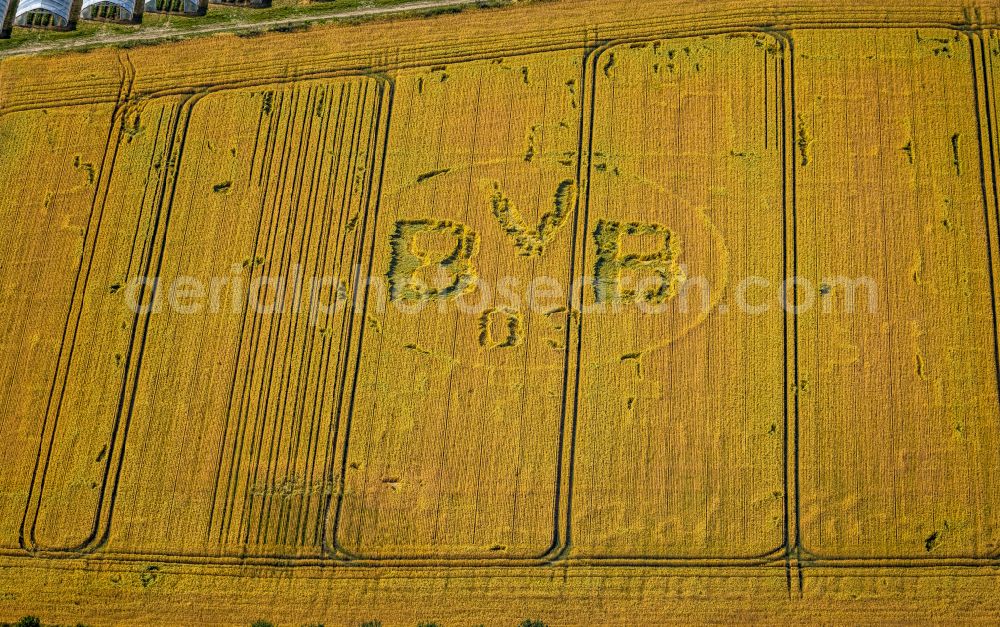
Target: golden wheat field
[(567, 313)]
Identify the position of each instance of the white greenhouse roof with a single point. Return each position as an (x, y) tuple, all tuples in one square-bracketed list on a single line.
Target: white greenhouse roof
[(190, 6), (126, 5), (59, 8)]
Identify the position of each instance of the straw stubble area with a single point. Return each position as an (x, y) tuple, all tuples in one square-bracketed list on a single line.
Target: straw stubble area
[(550, 313)]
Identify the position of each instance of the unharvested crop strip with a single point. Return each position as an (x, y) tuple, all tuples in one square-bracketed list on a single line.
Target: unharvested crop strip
[(289, 342), (981, 109), (455, 559), (342, 234), (267, 241), (287, 166), (112, 462), (245, 306), (278, 422), (595, 67), (154, 264), (322, 110), (354, 284), (372, 200), (239, 343)]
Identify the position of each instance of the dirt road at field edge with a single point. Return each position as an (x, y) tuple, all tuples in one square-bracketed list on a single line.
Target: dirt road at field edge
[(169, 32)]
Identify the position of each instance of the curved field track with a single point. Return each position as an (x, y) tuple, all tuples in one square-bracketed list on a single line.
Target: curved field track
[(575, 312)]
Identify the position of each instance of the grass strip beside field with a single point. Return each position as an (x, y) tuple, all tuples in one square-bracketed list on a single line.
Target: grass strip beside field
[(283, 15)]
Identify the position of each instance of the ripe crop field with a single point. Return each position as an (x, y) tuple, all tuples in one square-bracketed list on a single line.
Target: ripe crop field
[(573, 312)]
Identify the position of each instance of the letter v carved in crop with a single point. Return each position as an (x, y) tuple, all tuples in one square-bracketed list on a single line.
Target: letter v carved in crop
[(533, 241)]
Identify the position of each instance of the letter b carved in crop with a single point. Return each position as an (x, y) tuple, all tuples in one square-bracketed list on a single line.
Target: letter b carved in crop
[(413, 253), (659, 274)]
